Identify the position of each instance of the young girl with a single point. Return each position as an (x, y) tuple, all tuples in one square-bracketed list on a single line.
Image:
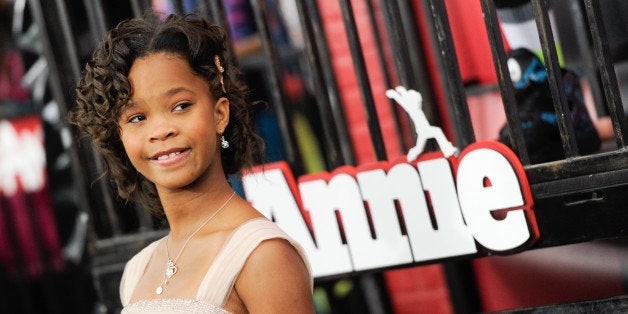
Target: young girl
[(170, 119)]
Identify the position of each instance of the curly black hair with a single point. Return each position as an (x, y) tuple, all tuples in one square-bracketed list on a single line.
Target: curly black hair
[(104, 91)]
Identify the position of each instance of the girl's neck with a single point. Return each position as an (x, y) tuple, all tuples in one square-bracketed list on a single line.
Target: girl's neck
[(186, 209)]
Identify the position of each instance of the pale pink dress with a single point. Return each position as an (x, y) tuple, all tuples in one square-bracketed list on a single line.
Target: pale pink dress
[(219, 280)]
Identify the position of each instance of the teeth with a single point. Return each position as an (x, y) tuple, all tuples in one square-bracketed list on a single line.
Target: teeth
[(162, 157)]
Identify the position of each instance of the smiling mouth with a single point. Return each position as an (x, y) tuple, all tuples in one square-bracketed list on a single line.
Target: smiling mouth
[(169, 155), (162, 157)]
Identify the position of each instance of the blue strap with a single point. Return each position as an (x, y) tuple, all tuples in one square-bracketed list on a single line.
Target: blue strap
[(535, 72), (547, 116)]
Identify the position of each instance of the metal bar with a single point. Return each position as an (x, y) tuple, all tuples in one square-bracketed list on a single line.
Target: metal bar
[(330, 136), (96, 18), (107, 200), (70, 53), (217, 14), (203, 9), (391, 13), (19, 8), (65, 43), (557, 87), (140, 7), (607, 72), (59, 97), (505, 83), (177, 6), (578, 26), (277, 93), (398, 42), (135, 7), (363, 80), (331, 89), (416, 62), (578, 166), (404, 35), (71, 57), (462, 286), (456, 96), (581, 182)]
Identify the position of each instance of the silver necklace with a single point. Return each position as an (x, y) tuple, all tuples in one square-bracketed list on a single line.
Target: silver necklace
[(171, 267)]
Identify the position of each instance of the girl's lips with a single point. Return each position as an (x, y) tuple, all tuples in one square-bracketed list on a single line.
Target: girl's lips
[(168, 159)]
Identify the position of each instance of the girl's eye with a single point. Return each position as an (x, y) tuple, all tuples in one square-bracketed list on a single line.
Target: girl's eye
[(182, 106), (136, 118)]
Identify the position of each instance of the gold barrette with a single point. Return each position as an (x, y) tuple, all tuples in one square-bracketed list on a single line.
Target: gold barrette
[(221, 69)]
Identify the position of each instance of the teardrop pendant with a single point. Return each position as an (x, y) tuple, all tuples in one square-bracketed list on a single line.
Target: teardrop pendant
[(171, 269)]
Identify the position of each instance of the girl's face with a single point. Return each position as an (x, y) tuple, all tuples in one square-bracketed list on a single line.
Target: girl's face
[(169, 129)]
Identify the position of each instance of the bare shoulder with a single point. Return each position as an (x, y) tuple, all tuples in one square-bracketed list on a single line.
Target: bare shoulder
[(275, 279)]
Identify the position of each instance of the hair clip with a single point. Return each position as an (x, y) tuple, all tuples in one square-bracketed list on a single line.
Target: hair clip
[(221, 69)]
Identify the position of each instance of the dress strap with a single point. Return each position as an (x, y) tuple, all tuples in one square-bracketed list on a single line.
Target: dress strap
[(133, 271), (222, 274)]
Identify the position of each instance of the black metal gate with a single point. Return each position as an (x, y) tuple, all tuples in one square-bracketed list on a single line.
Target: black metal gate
[(577, 198)]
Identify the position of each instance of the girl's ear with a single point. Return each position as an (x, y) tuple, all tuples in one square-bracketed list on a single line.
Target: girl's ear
[(221, 114)]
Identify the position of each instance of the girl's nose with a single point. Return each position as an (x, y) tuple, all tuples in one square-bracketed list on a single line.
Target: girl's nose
[(162, 129)]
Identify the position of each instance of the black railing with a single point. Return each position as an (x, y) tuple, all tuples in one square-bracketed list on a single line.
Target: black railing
[(605, 66), (501, 68)]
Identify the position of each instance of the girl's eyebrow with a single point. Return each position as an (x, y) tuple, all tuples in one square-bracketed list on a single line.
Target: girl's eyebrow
[(129, 104), (176, 90), (173, 91)]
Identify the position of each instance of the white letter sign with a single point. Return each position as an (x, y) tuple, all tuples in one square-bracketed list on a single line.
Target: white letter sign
[(422, 208)]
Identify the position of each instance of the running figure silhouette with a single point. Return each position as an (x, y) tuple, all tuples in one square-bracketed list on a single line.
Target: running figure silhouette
[(411, 101)]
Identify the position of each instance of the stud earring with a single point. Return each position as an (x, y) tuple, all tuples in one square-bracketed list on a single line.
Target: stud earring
[(223, 142)]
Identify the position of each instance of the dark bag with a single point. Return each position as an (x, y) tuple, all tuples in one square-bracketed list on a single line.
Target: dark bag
[(536, 111)]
